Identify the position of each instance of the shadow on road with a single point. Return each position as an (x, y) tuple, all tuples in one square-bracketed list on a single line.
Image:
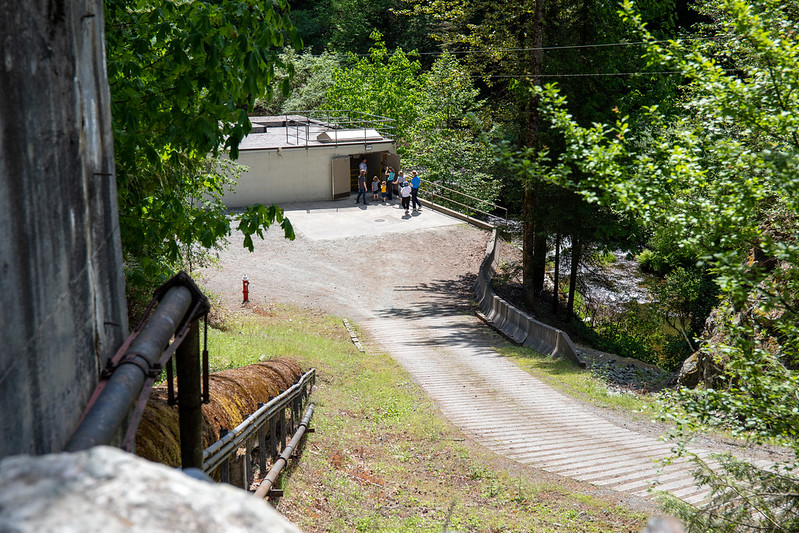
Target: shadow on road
[(438, 309)]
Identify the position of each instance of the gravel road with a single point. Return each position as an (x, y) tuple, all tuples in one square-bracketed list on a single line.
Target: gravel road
[(378, 258)]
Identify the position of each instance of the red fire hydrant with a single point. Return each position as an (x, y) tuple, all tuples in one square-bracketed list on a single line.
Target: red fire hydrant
[(245, 291)]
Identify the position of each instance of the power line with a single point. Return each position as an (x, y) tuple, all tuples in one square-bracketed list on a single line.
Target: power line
[(564, 47), (577, 75), (548, 48), (590, 75)]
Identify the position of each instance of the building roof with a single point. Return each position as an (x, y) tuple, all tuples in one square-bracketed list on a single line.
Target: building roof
[(302, 131)]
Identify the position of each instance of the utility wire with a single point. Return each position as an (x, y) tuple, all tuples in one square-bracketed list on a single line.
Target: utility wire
[(546, 48), (565, 47), (588, 75), (577, 75)]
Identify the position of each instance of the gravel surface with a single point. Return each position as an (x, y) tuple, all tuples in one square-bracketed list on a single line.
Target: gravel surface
[(353, 276)]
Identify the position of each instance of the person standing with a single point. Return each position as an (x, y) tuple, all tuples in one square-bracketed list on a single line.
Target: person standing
[(375, 188), (405, 192), (361, 187), (362, 166), (389, 182), (415, 182)]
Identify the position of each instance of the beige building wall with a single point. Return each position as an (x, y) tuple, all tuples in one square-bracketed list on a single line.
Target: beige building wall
[(294, 174)]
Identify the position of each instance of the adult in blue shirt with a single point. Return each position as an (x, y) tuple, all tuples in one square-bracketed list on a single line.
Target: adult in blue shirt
[(415, 181)]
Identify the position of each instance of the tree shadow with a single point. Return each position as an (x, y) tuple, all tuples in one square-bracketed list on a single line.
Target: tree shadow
[(438, 301)]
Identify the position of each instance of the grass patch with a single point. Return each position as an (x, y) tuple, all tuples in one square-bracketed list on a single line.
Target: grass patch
[(567, 377), (382, 459)]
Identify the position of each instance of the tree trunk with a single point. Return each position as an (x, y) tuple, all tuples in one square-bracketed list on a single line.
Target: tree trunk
[(576, 253), (528, 255), (534, 246), (556, 275)]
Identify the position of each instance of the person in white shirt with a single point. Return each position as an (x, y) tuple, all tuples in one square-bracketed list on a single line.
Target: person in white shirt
[(405, 192)]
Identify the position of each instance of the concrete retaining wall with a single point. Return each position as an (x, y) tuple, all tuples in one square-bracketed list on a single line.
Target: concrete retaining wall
[(62, 299), (514, 323)]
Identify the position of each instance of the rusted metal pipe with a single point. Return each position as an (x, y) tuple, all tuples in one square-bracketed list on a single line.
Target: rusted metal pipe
[(266, 485), (101, 423)]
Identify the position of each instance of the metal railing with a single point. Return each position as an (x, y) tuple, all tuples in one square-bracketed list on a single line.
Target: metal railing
[(303, 126), (169, 327), (268, 428), (433, 190)]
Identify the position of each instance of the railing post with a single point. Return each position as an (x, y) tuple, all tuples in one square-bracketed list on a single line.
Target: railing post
[(273, 438), (247, 464), (224, 468), (190, 411), (262, 446), (282, 428)]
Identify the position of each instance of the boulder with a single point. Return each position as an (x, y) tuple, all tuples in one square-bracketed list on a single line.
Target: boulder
[(689, 374), (107, 490)]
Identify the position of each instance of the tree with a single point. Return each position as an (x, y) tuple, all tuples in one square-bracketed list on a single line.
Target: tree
[(345, 26), (721, 175), (447, 142), (510, 44), (381, 83), (183, 76), (310, 77)]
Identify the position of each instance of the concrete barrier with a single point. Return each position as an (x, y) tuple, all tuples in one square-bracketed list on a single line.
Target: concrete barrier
[(502, 314), (516, 326), (494, 310), (514, 323)]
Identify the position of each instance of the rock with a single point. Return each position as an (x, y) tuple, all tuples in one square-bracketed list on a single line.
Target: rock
[(107, 490), (689, 374), (664, 525)]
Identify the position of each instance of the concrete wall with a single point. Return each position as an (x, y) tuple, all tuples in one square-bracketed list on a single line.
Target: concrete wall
[(62, 307), (296, 174), (514, 323)]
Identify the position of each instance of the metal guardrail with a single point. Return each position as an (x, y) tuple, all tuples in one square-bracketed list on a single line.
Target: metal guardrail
[(301, 124), (268, 427), (432, 190)]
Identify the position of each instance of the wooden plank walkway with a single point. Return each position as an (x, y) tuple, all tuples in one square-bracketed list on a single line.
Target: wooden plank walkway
[(520, 417)]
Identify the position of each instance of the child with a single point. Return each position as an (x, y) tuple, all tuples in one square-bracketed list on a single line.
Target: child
[(406, 196), (383, 191), (375, 187), (389, 183)]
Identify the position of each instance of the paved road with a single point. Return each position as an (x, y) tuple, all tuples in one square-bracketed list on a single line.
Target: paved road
[(366, 263)]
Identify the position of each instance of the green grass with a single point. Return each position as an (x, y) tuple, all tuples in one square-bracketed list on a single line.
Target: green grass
[(383, 459), (569, 378)]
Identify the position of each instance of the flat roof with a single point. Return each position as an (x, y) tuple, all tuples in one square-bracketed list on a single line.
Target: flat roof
[(297, 131)]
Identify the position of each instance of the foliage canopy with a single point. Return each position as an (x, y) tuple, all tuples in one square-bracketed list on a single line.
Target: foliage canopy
[(721, 174), (183, 76)]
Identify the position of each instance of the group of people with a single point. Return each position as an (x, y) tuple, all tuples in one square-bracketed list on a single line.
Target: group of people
[(408, 189)]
